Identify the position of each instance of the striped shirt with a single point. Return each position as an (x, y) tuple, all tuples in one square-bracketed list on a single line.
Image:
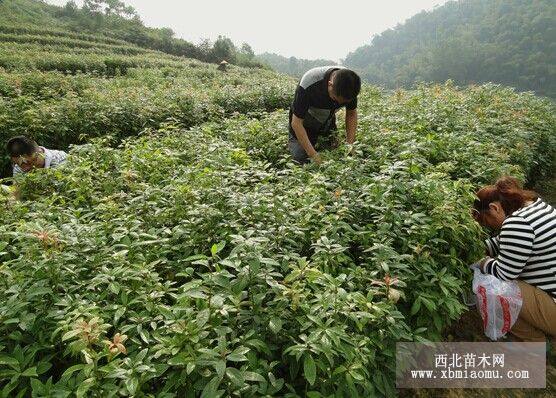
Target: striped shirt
[(526, 247)]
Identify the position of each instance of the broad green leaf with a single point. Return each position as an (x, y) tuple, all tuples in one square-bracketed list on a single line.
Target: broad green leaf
[(252, 376), (275, 325), (236, 357), (309, 369), (429, 304), (131, 385), (72, 369), (37, 387), (70, 335), (217, 248), (220, 367), (211, 388), (181, 359), (235, 376), (84, 387), (416, 306), (43, 367), (41, 291), (7, 360), (356, 375), (30, 372)]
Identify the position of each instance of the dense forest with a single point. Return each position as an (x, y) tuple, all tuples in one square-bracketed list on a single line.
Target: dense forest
[(291, 65), (512, 42), (113, 19)]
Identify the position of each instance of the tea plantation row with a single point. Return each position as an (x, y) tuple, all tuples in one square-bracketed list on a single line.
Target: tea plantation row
[(20, 29), (201, 261), (63, 88), (35, 48), (58, 110)]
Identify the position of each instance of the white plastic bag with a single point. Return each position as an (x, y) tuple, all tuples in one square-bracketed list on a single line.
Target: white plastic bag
[(498, 302)]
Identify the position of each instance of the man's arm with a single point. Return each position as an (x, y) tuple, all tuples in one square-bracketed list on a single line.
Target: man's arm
[(303, 139), (351, 125)]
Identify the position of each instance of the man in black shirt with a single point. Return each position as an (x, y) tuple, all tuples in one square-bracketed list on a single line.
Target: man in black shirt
[(320, 93)]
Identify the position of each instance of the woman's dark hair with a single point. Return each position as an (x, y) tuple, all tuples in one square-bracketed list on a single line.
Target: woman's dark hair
[(346, 84), (21, 146), (508, 191)]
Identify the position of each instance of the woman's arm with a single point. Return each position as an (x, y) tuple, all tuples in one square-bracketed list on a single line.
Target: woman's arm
[(493, 246), (515, 247)]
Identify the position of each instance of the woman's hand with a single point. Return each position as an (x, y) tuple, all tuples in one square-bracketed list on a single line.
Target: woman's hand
[(482, 264)]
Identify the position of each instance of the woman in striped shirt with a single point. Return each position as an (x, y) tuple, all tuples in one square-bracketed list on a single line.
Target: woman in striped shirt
[(524, 250)]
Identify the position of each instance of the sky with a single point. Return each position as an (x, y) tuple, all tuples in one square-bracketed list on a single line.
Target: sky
[(302, 28)]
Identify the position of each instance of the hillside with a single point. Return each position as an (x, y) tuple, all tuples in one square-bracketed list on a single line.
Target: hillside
[(510, 42), (292, 66), (114, 20), (63, 87), (29, 12)]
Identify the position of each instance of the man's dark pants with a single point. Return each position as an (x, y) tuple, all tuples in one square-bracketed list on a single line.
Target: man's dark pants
[(298, 153)]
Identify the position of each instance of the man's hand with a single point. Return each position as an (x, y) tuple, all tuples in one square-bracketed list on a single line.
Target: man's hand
[(302, 137), (334, 142), (317, 158)]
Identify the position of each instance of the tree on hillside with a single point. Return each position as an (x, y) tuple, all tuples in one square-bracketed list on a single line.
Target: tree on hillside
[(116, 7), (292, 66), (511, 42), (92, 6), (247, 51), (109, 7), (205, 48), (69, 10), (223, 49), (92, 17), (115, 19)]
